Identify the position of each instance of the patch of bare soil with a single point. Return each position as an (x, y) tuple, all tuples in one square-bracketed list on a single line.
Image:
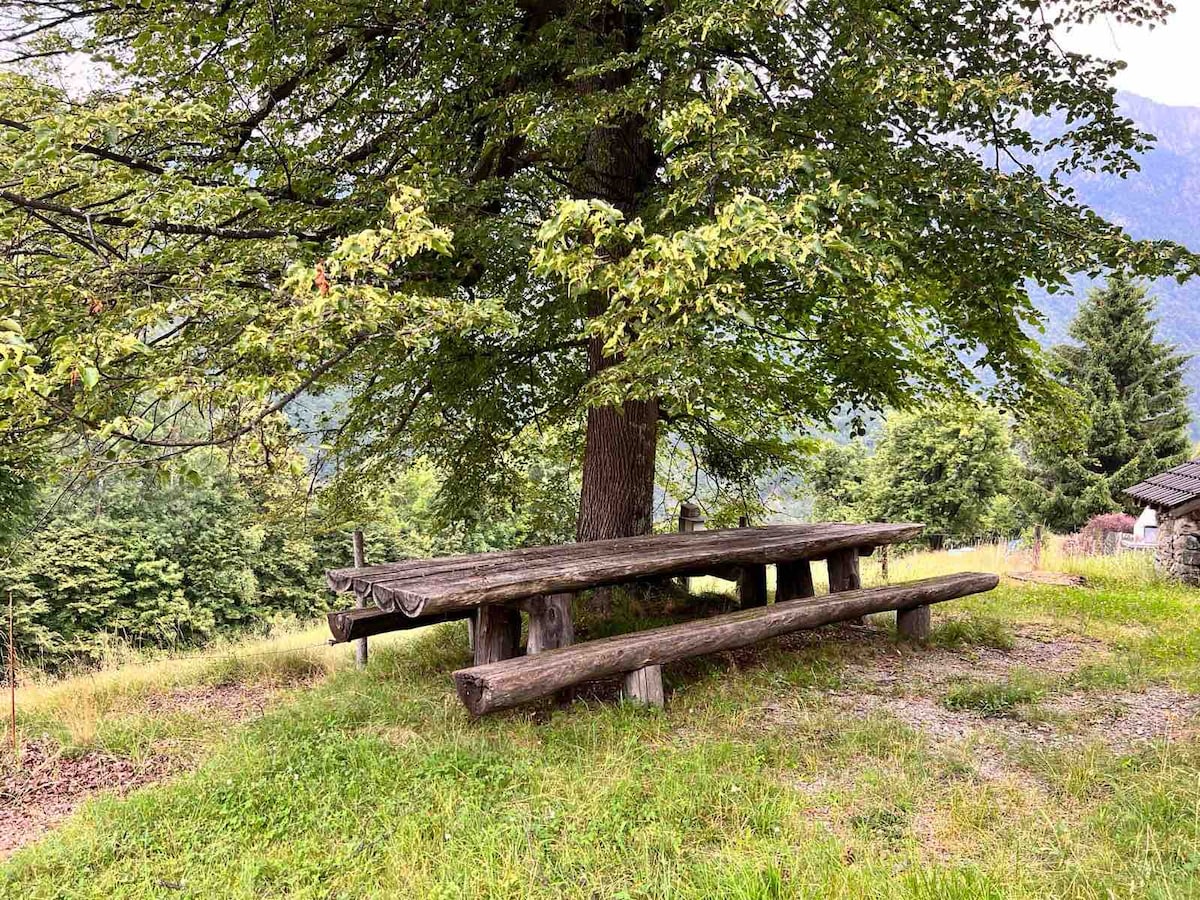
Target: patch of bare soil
[(909, 683), (43, 786), (233, 701), (897, 668), (1126, 719)]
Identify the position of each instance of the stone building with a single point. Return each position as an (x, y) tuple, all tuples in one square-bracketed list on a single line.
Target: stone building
[(1175, 496)]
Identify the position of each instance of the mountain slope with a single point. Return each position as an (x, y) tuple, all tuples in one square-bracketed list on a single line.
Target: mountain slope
[(1160, 201)]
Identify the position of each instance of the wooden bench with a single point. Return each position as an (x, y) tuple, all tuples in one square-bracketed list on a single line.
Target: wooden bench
[(495, 588), (641, 655)]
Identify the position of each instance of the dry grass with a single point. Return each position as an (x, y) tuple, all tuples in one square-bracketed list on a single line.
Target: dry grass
[(1129, 567)]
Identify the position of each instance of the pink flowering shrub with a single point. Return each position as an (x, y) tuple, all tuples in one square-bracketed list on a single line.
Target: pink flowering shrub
[(1090, 538)]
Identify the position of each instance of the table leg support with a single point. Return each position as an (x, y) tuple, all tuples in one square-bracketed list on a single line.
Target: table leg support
[(844, 574), (793, 580), (752, 586), (497, 633), (550, 623)]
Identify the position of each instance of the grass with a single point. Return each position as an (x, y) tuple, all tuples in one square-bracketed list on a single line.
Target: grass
[(758, 781), (106, 708), (995, 698)]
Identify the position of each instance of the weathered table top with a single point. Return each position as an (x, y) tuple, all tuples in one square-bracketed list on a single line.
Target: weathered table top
[(427, 586)]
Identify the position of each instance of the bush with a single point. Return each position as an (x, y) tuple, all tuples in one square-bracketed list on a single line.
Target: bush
[(157, 565), (1091, 539)]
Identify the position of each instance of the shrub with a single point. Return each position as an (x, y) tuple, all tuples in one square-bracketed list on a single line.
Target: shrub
[(157, 565), (1091, 538)]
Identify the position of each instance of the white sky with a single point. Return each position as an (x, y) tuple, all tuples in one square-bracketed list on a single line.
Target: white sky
[(1164, 64)]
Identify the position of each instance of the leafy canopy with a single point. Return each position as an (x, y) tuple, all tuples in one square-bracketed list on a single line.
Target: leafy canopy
[(399, 205)]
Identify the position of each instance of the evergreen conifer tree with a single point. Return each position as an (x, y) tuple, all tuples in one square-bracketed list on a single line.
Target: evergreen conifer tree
[(1131, 388)]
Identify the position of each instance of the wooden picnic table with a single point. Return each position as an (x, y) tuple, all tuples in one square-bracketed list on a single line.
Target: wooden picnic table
[(492, 590), (424, 586), (494, 585)]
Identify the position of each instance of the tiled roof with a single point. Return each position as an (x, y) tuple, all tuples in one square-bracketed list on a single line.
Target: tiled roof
[(1170, 489)]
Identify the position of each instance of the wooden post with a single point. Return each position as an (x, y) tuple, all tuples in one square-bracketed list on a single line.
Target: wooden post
[(550, 623), (844, 574), (360, 560), (12, 672), (645, 686), (843, 571), (752, 586), (793, 580), (497, 633), (913, 623), (1037, 547), (689, 519), (752, 580), (884, 556)]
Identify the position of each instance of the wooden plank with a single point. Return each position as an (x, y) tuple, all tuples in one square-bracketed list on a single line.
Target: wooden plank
[(344, 580), (500, 685), (701, 546), (457, 590), (794, 580), (497, 633), (645, 686), (365, 580), (550, 623), (354, 624)]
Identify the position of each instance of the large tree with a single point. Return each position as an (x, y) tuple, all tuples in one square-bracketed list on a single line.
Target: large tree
[(722, 222), (1133, 406), (948, 465)]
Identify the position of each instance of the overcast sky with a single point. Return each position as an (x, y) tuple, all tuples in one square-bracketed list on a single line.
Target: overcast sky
[(1164, 64)]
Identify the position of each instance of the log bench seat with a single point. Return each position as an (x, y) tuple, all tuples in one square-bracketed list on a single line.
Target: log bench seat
[(639, 656)]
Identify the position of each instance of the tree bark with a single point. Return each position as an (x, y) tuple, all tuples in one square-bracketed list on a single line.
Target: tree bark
[(618, 166)]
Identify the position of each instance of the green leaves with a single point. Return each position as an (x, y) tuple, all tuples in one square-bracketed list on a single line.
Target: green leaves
[(765, 213)]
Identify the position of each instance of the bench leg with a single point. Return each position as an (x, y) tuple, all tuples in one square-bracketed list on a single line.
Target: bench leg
[(645, 686), (793, 580), (752, 586), (913, 623), (497, 633), (550, 623), (844, 574)]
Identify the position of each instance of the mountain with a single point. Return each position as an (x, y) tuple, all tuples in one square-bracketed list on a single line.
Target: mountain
[(1160, 201)]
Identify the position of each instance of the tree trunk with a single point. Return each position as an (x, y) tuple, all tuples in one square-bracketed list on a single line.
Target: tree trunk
[(618, 471), (618, 166)]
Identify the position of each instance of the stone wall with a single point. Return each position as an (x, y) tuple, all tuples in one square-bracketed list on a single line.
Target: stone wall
[(1178, 553)]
